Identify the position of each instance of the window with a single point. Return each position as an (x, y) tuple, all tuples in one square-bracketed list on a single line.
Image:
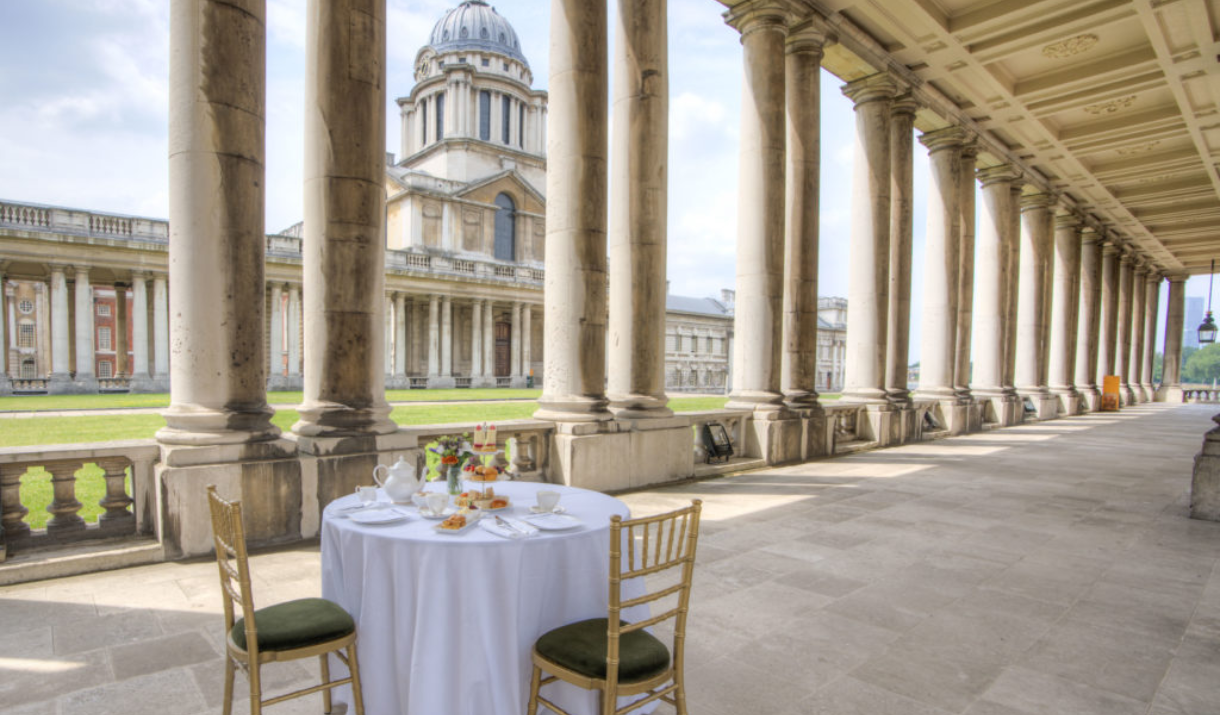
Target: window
[(486, 62), (105, 368), (670, 344), (423, 122), (103, 309), (462, 60), (103, 339), (25, 335), (694, 344), (521, 125), (505, 64), (506, 116), (506, 228), (440, 117), (28, 372), (708, 345), (485, 115), (26, 306)]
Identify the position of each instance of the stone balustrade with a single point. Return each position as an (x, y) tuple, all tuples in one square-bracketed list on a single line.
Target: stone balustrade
[(30, 386), (1204, 395), (38, 217), (126, 513), (527, 458)]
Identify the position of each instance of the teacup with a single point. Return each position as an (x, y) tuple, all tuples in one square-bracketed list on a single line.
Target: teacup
[(437, 501), (367, 495), (419, 499), (547, 500)]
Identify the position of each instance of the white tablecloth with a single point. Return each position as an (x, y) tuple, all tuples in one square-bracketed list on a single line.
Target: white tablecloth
[(445, 623)]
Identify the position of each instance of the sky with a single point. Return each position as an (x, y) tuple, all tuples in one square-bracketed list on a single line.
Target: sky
[(83, 122)]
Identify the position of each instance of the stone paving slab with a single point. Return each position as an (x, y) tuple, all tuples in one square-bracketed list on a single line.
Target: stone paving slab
[(1049, 569)]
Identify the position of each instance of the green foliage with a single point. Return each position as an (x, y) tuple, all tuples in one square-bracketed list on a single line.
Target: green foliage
[(1158, 366), (1203, 365)]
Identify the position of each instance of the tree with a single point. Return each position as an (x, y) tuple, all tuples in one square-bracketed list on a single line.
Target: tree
[(1158, 367), (1203, 365)]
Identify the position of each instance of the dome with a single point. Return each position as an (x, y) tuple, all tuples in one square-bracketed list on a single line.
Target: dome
[(475, 25)]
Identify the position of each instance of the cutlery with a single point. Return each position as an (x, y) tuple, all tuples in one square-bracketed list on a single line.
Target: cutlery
[(506, 525)]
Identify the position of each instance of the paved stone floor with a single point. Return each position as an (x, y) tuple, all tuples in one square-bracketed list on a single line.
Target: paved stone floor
[(1048, 569)]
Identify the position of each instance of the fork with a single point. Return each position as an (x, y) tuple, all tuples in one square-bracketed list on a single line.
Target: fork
[(505, 524)]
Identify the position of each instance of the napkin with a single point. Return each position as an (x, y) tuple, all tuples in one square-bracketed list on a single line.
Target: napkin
[(490, 524)]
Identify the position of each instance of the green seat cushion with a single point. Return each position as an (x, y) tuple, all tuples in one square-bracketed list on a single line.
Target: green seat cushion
[(296, 624), (582, 647)]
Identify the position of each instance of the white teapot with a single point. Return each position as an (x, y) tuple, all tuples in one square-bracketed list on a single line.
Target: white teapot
[(400, 481)]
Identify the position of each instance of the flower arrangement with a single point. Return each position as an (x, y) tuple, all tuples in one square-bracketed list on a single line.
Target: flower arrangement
[(452, 449)]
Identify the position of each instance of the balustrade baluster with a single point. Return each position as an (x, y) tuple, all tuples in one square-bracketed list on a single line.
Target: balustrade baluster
[(116, 501), (64, 504), (12, 511)]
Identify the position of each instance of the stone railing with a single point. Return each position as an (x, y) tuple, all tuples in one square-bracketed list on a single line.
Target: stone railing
[(849, 425), (1201, 395), (29, 385), (38, 217), (114, 384), (527, 458), (418, 383), (504, 382), (734, 422), (461, 381), (416, 260), (126, 513)]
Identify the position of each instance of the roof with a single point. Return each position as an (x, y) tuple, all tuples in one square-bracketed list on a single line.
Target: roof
[(697, 306), (475, 25)]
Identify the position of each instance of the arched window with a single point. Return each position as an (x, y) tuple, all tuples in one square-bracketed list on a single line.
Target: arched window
[(506, 228)]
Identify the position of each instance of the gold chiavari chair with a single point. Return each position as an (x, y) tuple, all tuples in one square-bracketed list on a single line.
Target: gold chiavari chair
[(619, 658), (292, 630)]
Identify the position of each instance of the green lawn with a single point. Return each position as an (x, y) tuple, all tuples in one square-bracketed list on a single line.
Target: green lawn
[(42, 403)]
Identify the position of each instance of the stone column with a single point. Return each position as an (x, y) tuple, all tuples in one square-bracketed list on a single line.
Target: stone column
[(294, 332), (85, 341), (1064, 300), (965, 275), (387, 313), (898, 314), (1135, 362), (161, 331), (1088, 323), (942, 263), (639, 206), (868, 261), (1171, 371), (514, 350), (1122, 362), (758, 321), (139, 325), (476, 342), (575, 287), (434, 337), (400, 338), (994, 277), (489, 342), (344, 244), (60, 378), (1107, 343), (5, 383), (1012, 267), (799, 360), (446, 336), (275, 360), (217, 237), (1152, 298), (527, 335), (1031, 298), (121, 368)]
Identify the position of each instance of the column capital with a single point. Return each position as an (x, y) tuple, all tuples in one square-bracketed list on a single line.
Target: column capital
[(1070, 219), (754, 15), (1178, 278), (905, 104), (1091, 234), (941, 139), (970, 149), (875, 87), (1154, 276), (809, 36), (139, 275), (1036, 201), (1000, 173)]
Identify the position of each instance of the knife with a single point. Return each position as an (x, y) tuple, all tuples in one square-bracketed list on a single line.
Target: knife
[(505, 524)]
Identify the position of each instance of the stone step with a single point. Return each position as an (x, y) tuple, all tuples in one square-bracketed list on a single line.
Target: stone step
[(79, 558), (735, 464)]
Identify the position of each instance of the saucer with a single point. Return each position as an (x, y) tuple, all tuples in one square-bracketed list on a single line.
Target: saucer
[(427, 513), (371, 517), (535, 509)]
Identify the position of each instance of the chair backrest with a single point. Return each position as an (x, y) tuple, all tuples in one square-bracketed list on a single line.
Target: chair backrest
[(230, 538), (665, 541)]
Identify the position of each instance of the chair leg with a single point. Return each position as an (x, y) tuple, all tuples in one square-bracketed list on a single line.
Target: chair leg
[(535, 683), (325, 679), (256, 689), (680, 696), (609, 702), (357, 693), (230, 669)]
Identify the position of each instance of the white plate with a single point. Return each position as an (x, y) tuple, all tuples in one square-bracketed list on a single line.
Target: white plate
[(427, 513), (535, 509), (349, 510), (469, 524), (553, 522), (371, 517)]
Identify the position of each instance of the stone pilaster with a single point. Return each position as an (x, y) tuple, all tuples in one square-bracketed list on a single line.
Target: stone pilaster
[(275, 358), (1089, 322), (1107, 343), (868, 261), (476, 343), (1012, 266), (216, 231), (400, 340), (1122, 362), (760, 213), (942, 262), (294, 335), (1031, 303), (639, 206), (121, 368), (514, 347), (1152, 298), (1171, 370), (1065, 299), (60, 379), (141, 378), (1135, 363), (990, 304), (489, 341), (434, 338), (161, 330), (344, 246), (965, 274), (527, 338), (575, 288), (446, 337), (898, 314), (85, 372), (6, 385)]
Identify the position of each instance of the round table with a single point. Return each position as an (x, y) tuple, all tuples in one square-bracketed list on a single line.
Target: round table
[(446, 622)]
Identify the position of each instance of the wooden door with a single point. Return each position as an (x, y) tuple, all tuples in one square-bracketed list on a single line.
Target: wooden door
[(504, 332)]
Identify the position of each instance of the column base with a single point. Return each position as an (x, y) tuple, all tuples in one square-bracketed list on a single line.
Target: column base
[(998, 408), (1045, 405), (1068, 399), (777, 437), (614, 455), (1173, 394), (1205, 481), (1126, 395), (866, 396), (331, 419), (573, 409), (1149, 391), (817, 440), (1090, 398), (760, 401), (639, 407)]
